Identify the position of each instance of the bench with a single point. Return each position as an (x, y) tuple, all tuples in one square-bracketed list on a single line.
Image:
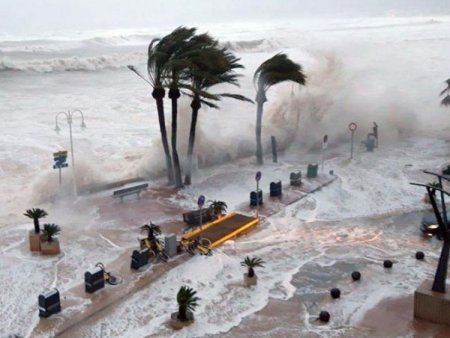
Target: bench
[(129, 191), (192, 218)]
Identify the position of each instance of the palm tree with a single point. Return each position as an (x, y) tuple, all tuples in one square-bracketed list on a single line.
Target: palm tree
[(252, 263), (187, 302), (446, 100), (218, 208), (35, 215), (51, 230), (209, 67), (156, 68), (277, 69), (153, 230)]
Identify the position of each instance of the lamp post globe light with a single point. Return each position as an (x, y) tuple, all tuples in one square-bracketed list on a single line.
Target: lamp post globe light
[(69, 116)]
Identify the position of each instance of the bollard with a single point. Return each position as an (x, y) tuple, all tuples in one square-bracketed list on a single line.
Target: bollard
[(312, 170), (140, 258), (296, 178), (276, 189), (94, 280), (356, 276), (256, 199), (170, 245), (49, 303)]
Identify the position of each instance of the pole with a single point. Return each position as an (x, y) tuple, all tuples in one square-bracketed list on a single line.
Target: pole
[(59, 175), (257, 199), (352, 127), (201, 218), (351, 146), (274, 149), (69, 120)]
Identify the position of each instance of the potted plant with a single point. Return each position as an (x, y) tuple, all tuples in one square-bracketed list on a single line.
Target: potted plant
[(35, 237), (50, 246), (218, 208), (187, 302), (250, 277)]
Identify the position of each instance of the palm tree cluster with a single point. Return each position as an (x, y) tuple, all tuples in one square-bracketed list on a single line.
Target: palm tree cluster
[(184, 62)]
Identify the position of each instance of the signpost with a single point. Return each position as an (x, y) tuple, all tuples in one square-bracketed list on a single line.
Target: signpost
[(201, 203), (324, 147), (60, 158), (352, 127), (257, 178)]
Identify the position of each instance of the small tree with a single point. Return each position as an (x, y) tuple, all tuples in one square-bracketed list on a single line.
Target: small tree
[(153, 230), (187, 302), (218, 208), (51, 230), (35, 214), (252, 263)]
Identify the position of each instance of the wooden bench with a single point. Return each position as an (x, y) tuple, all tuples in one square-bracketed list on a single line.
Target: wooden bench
[(129, 191)]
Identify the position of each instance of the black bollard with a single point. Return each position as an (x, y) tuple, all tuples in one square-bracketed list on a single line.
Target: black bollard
[(420, 255), (49, 303), (356, 276), (324, 316), (387, 264), (335, 293)]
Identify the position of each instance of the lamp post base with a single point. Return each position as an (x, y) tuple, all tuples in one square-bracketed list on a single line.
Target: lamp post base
[(430, 305)]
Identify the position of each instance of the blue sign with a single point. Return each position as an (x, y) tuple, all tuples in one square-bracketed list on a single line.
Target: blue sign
[(258, 176), (201, 201), (60, 159)]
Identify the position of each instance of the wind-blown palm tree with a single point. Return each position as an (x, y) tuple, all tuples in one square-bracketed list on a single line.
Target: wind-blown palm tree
[(187, 302), (156, 68), (51, 230), (35, 215), (211, 66), (446, 100), (251, 264), (277, 69)]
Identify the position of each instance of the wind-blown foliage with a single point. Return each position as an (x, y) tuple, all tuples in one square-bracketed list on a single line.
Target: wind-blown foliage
[(51, 230), (275, 70), (446, 100), (35, 214), (218, 207), (153, 230), (187, 302), (252, 263)]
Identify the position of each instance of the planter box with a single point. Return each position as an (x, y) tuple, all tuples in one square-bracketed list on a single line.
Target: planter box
[(35, 240), (50, 248), (430, 305), (177, 324), (249, 281)]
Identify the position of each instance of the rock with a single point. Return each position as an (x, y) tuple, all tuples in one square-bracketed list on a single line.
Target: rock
[(420, 255), (387, 264), (324, 316), (335, 293), (356, 275)]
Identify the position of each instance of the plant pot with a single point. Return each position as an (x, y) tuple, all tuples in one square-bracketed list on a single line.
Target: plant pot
[(35, 240), (50, 248), (249, 281), (177, 324)]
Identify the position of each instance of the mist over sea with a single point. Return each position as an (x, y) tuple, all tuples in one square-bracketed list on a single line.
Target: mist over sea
[(385, 69)]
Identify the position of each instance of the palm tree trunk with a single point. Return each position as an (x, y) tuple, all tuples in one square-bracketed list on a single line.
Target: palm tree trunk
[(36, 225), (195, 105), (259, 113), (182, 313), (174, 94), (158, 95)]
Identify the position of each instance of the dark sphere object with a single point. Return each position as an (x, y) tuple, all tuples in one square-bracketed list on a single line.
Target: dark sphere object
[(335, 293), (420, 255), (387, 264), (324, 316), (356, 275)]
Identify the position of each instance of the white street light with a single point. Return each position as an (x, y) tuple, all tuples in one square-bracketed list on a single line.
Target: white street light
[(69, 115)]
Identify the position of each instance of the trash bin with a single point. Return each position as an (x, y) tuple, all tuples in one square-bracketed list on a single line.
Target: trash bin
[(140, 258), (276, 189), (256, 199), (49, 303), (94, 280), (312, 170), (296, 178)]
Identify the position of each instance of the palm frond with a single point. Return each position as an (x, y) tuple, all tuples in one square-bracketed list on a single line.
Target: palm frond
[(252, 262), (446, 101)]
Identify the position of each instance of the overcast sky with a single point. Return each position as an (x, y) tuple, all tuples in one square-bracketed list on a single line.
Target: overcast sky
[(22, 16)]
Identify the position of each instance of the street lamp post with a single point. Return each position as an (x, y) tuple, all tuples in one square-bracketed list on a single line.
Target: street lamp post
[(201, 203), (257, 178), (69, 115)]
